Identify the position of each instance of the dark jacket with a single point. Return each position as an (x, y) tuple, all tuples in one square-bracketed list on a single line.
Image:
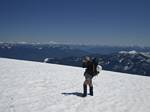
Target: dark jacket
[(89, 67)]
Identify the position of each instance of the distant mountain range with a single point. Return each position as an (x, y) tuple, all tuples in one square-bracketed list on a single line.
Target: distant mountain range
[(38, 52), (135, 60), (128, 62)]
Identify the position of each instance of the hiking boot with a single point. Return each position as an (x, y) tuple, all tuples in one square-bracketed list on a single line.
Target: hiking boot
[(91, 90), (84, 90)]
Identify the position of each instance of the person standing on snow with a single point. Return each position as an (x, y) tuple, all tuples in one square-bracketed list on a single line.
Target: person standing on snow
[(88, 74)]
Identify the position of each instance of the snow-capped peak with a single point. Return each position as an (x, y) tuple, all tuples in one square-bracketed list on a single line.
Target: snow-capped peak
[(128, 52), (132, 52), (53, 42)]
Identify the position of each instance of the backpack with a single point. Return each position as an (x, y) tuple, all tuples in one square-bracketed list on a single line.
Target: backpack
[(96, 67)]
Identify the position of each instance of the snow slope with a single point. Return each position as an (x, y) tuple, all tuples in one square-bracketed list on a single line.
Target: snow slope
[(39, 87)]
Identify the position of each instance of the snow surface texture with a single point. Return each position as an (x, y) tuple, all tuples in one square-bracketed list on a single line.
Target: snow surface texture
[(39, 87)]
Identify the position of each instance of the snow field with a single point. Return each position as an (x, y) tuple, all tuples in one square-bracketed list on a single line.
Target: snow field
[(27, 86)]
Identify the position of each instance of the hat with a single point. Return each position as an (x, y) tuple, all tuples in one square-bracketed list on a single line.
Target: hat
[(87, 58)]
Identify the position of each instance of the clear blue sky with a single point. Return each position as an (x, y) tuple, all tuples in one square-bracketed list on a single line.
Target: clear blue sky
[(103, 22)]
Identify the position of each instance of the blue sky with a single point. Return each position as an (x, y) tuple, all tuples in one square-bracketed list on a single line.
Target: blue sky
[(103, 22)]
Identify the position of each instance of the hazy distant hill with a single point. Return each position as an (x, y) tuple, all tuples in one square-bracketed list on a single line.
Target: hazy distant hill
[(38, 52)]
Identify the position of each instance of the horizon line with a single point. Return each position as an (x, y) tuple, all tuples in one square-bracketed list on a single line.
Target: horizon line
[(69, 43)]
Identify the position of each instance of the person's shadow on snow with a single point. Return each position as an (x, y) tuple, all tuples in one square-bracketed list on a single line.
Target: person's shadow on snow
[(73, 93)]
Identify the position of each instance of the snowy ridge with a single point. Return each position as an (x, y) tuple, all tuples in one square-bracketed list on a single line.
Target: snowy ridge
[(128, 52), (39, 87)]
